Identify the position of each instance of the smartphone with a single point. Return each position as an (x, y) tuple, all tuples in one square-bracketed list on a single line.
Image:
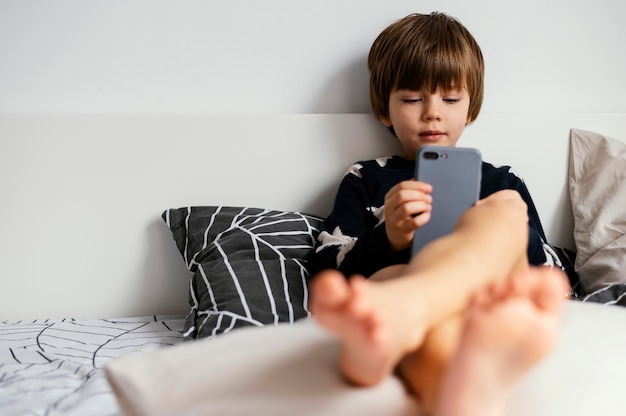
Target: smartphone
[(455, 174)]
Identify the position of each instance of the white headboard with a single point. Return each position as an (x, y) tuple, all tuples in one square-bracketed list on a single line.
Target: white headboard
[(81, 233)]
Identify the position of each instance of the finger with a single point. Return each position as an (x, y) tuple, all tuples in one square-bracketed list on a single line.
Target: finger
[(415, 208), (420, 220), (411, 185), (405, 198)]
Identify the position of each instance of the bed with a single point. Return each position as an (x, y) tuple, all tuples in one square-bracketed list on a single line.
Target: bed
[(156, 264)]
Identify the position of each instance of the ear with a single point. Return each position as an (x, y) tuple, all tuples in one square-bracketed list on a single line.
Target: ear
[(385, 121)]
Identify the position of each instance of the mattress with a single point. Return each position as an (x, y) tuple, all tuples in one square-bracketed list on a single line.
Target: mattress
[(55, 366)]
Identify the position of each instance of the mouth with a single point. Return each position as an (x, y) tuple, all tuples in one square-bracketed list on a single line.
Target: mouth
[(432, 135)]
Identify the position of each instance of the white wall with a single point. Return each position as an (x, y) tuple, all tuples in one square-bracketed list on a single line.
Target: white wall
[(256, 56)]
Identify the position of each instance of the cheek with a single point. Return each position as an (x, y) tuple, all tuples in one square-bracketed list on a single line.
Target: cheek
[(460, 125)]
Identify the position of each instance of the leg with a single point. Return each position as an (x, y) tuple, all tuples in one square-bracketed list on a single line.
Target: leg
[(505, 332), (423, 371), (380, 322)]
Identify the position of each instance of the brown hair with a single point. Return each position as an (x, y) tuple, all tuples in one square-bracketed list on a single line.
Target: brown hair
[(424, 51)]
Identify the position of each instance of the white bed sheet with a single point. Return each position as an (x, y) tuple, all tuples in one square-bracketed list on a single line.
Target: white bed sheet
[(55, 367), (292, 370)]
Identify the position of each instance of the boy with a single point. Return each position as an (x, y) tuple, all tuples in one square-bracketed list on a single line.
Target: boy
[(426, 85)]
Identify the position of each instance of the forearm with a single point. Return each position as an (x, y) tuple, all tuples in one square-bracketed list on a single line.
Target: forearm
[(372, 252), (536, 252), (365, 254)]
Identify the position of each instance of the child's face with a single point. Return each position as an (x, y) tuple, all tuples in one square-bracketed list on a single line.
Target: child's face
[(423, 118)]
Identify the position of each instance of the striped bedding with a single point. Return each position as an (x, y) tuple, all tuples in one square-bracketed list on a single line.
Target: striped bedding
[(55, 367), (248, 265)]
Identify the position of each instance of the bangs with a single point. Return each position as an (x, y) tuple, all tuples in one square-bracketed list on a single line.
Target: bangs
[(441, 66)]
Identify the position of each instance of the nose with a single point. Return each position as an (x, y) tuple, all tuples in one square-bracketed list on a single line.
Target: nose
[(432, 110)]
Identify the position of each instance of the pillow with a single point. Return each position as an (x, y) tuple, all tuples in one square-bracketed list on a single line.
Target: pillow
[(566, 260), (292, 370), (282, 370), (597, 184), (248, 265), (609, 295)]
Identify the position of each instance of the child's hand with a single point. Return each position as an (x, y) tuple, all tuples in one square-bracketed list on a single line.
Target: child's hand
[(407, 207)]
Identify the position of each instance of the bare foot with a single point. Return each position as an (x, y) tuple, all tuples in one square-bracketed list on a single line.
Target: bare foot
[(362, 316), (509, 327)]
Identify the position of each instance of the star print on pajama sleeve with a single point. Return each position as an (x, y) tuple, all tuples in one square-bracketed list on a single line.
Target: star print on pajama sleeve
[(355, 170), (378, 212), (352, 238), (337, 238)]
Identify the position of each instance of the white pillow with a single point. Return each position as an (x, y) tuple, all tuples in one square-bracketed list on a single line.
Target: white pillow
[(292, 370), (597, 184), (279, 370)]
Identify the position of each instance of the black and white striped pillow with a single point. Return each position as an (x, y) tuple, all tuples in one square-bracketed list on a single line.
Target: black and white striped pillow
[(248, 265)]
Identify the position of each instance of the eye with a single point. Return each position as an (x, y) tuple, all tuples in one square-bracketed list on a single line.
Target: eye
[(451, 100), (411, 100)]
